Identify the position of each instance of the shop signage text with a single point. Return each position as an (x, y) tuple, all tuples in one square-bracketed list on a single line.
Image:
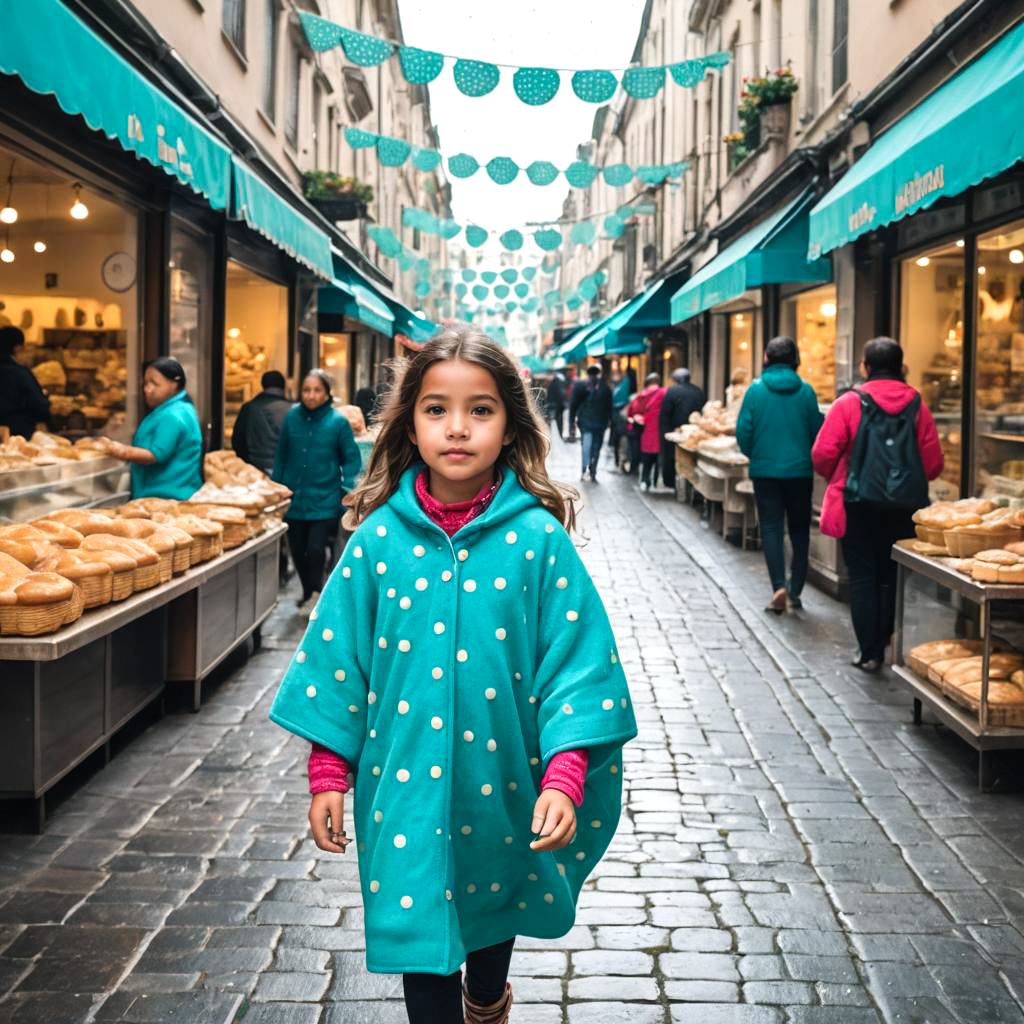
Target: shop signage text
[(919, 186), (861, 217), (174, 156)]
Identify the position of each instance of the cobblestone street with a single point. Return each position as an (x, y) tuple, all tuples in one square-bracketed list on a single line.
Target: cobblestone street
[(792, 848)]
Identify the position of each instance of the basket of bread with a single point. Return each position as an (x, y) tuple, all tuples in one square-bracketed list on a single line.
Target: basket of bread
[(956, 669)]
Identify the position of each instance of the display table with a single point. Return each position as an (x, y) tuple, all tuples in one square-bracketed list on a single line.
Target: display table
[(932, 602), (32, 493), (63, 696)]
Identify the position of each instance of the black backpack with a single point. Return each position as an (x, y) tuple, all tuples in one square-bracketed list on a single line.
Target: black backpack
[(885, 464)]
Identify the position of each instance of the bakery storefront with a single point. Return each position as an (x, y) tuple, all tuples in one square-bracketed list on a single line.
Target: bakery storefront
[(116, 228), (941, 225)]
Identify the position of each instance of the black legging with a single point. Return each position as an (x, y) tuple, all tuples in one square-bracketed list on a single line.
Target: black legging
[(649, 464), (437, 998), (307, 539)]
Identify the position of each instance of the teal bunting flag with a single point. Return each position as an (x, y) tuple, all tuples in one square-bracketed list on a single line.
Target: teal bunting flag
[(535, 86), (476, 236), (503, 170)]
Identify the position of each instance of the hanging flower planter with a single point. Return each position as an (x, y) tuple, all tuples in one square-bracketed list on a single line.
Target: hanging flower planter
[(337, 197), (764, 111)]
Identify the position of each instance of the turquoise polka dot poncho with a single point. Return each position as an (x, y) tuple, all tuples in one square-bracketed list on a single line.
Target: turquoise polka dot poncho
[(448, 672)]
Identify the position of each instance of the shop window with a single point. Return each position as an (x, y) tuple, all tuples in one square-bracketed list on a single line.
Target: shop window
[(840, 34), (999, 392), (334, 358), (291, 111), (269, 100), (69, 281), (742, 331), (233, 23), (810, 320), (256, 327), (191, 315), (931, 333)]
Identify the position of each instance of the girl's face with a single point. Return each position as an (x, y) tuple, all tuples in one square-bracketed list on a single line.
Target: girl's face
[(156, 388), (459, 425), (314, 394)]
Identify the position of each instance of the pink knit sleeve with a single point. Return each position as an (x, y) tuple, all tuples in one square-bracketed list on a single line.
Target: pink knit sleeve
[(327, 771), (567, 772)]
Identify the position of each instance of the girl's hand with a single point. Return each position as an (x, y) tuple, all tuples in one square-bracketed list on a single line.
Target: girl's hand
[(554, 821), (326, 819)]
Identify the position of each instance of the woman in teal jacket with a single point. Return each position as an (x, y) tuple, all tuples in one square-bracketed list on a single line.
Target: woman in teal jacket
[(317, 458), (777, 425), (167, 449)]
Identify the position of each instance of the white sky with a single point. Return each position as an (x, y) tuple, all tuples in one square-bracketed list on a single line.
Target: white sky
[(545, 33)]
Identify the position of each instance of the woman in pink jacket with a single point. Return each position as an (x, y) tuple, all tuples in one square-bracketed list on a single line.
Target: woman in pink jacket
[(644, 413), (869, 529)]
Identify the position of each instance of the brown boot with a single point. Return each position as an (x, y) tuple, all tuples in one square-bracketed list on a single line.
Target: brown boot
[(496, 1013)]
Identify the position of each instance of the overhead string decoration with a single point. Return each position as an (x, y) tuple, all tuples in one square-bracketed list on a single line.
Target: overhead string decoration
[(503, 170), (535, 86)]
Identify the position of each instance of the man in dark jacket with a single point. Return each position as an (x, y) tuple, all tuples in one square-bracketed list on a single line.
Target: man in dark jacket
[(556, 402), (22, 402), (681, 400), (591, 408), (258, 426)]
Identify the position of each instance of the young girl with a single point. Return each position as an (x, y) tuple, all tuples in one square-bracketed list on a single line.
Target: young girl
[(461, 666)]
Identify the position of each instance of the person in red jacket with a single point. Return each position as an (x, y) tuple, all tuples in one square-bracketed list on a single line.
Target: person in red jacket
[(868, 531), (644, 413)]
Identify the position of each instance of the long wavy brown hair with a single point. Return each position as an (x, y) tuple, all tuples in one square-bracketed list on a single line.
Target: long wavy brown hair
[(394, 452)]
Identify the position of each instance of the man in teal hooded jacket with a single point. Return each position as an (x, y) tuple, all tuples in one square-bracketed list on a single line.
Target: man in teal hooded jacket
[(777, 425)]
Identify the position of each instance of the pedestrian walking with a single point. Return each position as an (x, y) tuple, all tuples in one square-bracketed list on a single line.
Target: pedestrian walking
[(166, 453), (777, 424), (682, 399), (644, 412), (591, 409), (878, 449), (317, 457), (258, 426), (621, 395), (555, 408), (460, 663)]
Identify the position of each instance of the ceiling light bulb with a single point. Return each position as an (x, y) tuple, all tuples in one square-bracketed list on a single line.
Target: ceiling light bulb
[(981, 270), (922, 261), (39, 246), (1016, 256), (959, 243), (79, 210), (6, 255), (8, 214), (828, 309), (234, 332)]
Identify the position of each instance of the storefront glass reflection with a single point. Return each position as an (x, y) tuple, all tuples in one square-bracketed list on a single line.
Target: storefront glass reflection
[(932, 334), (810, 320)]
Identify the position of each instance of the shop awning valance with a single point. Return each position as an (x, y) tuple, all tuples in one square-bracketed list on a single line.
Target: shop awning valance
[(55, 54), (277, 220), (417, 328), (572, 347), (351, 297), (774, 252), (969, 129)]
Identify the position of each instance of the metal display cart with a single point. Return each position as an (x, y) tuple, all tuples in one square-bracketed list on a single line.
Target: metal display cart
[(939, 594)]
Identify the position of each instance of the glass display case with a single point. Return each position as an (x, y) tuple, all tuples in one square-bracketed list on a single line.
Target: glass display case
[(999, 391), (809, 318), (932, 335)]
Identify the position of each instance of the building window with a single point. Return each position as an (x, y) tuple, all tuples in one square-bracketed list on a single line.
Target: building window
[(840, 32), (813, 42), (318, 103), (270, 59), (291, 111), (234, 23)]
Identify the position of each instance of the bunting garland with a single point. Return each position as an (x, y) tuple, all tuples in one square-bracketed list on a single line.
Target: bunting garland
[(534, 86), (503, 170)]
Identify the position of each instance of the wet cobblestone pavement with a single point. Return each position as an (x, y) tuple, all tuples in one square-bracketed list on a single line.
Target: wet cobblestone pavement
[(792, 850)]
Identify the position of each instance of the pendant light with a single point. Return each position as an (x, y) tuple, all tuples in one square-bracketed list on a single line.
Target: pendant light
[(39, 245), (79, 210), (9, 214), (7, 254)]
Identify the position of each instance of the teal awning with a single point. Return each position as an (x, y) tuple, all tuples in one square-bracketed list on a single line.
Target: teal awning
[(969, 129), (275, 218), (351, 297), (55, 54), (774, 252), (573, 347), (416, 328)]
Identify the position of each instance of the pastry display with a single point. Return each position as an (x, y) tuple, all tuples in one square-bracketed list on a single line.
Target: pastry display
[(146, 571)]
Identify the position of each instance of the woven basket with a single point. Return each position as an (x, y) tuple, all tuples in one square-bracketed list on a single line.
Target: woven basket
[(37, 619), (96, 590), (235, 535), (967, 543), (998, 714), (123, 585), (930, 534), (146, 576), (182, 559)]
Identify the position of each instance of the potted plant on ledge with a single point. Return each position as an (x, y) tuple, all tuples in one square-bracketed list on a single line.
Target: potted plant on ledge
[(765, 105), (335, 196)]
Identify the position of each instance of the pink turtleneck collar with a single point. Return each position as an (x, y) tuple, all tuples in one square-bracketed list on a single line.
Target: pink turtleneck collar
[(452, 518)]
